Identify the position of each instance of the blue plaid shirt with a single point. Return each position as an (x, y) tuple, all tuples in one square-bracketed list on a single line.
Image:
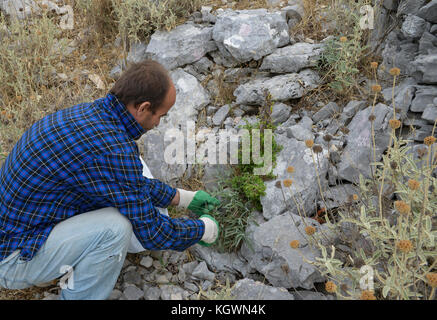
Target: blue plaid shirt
[(80, 159)]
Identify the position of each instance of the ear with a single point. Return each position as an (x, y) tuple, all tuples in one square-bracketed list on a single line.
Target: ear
[(144, 106)]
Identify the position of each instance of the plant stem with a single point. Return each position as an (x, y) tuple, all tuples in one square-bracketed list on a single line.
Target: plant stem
[(432, 294)]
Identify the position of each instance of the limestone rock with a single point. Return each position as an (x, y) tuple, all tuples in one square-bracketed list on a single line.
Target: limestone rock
[(357, 155), (245, 35), (273, 257), (281, 88), (185, 44), (292, 58)]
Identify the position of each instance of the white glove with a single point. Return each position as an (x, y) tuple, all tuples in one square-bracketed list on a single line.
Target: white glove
[(185, 198), (211, 230)]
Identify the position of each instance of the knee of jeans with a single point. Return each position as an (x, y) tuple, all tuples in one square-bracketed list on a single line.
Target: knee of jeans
[(119, 225)]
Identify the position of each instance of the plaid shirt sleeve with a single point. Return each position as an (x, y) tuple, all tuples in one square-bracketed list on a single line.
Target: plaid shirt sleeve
[(116, 180)]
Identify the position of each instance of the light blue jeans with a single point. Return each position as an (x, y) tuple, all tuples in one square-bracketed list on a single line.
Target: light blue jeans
[(87, 251)]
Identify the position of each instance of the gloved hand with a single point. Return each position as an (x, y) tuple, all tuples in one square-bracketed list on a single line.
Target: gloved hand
[(199, 202), (211, 231)]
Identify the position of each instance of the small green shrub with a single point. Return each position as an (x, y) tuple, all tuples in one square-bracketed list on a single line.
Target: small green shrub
[(138, 19), (233, 217), (251, 186), (241, 193)]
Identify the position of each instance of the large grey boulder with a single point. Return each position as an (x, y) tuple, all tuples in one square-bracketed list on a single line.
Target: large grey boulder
[(273, 257), (292, 58), (248, 289), (358, 154), (281, 88), (246, 35), (185, 44), (305, 189), (190, 98)]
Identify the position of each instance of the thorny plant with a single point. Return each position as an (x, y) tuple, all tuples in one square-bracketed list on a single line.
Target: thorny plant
[(394, 239)]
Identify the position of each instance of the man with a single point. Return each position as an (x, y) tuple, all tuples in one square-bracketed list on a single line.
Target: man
[(73, 194)]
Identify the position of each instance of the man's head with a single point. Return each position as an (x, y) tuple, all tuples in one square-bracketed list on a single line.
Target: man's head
[(147, 91)]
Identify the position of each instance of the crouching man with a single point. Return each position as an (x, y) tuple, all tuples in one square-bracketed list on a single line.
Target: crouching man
[(73, 194)]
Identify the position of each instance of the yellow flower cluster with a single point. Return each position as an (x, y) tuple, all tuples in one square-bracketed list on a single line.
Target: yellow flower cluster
[(432, 279), (310, 230), (367, 295), (376, 88), (309, 143), (402, 207), (290, 169), (395, 71), (429, 140), (413, 184), (330, 287), (288, 182), (294, 244), (405, 245), (394, 123)]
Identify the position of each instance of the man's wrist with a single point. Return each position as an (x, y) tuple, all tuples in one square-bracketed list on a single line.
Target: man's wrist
[(185, 198), (176, 199)]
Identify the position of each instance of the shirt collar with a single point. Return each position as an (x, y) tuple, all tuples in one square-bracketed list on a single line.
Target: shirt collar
[(116, 107)]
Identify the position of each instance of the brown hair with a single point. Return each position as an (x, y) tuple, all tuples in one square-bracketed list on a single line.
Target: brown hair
[(147, 80)]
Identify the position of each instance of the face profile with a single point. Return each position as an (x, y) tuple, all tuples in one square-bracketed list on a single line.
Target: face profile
[(149, 120)]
